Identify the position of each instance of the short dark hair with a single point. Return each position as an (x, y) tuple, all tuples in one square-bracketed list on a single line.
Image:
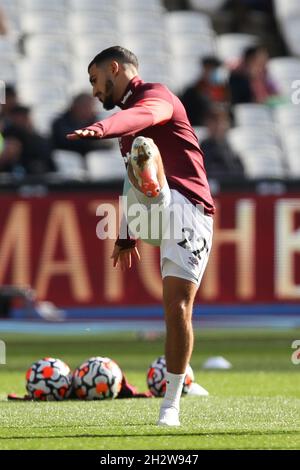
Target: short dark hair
[(21, 109), (251, 51), (115, 52), (10, 90), (218, 110), (210, 61)]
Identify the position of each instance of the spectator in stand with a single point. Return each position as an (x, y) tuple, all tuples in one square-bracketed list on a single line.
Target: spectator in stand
[(34, 151), (80, 114), (3, 23), (220, 159), (11, 101), (10, 151), (249, 82), (210, 87), (10, 155), (251, 16), (261, 5)]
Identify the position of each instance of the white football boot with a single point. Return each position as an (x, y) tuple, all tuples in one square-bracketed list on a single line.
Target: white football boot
[(142, 156), (168, 417)]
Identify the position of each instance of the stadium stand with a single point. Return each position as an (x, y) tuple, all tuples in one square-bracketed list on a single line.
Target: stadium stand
[(39, 55), (209, 7), (250, 114), (104, 166), (284, 70), (69, 164), (231, 46)]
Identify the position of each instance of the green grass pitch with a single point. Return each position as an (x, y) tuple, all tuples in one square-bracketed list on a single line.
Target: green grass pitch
[(256, 405)]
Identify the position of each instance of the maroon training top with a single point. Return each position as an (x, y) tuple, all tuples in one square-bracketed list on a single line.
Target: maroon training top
[(152, 110)]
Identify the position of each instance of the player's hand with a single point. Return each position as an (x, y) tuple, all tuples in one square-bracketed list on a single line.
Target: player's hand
[(84, 134), (124, 257)]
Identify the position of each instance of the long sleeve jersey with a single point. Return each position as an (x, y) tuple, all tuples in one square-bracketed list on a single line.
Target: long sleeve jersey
[(152, 110)]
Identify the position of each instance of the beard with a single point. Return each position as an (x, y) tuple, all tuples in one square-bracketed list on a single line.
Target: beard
[(108, 102)]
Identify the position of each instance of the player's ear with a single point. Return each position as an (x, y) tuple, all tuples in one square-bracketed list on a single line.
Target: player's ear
[(114, 67)]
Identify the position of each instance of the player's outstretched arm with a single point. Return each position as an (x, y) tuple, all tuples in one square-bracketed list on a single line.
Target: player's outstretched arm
[(145, 113)]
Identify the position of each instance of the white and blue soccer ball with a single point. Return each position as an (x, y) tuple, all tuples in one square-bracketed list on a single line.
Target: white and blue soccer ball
[(49, 379), (156, 378), (97, 378)]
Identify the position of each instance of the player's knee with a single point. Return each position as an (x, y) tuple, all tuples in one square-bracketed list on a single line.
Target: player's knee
[(179, 309)]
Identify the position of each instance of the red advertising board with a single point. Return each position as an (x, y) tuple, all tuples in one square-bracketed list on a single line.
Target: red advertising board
[(50, 243)]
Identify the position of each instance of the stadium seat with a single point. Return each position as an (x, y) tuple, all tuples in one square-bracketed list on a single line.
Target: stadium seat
[(290, 28), (34, 93), (265, 162), (193, 46), (142, 23), (288, 17), (142, 6), (293, 160), (80, 80), (201, 132), (69, 164), (8, 48), (88, 45), (7, 4), (188, 22), (91, 23), (39, 23), (11, 8), (41, 45), (46, 69), (145, 46), (244, 138), (104, 166), (8, 71), (283, 71), (44, 114), (291, 144), (94, 6), (251, 114), (232, 45), (287, 116), (180, 77), (210, 6), (154, 71), (291, 139), (59, 6), (156, 43), (286, 8)]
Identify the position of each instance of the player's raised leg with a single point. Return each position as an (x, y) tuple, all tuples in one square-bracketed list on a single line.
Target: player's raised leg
[(178, 298), (145, 169)]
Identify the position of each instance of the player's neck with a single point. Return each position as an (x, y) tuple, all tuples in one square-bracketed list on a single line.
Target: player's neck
[(125, 80)]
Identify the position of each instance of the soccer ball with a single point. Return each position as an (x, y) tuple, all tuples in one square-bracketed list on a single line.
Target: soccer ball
[(49, 379), (97, 378), (156, 378)]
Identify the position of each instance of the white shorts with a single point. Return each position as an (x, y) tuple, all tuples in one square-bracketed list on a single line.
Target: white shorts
[(181, 230)]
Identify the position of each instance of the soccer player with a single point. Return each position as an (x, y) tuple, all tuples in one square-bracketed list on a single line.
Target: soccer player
[(165, 170)]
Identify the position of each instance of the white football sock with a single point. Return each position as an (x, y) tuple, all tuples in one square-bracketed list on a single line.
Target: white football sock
[(173, 390)]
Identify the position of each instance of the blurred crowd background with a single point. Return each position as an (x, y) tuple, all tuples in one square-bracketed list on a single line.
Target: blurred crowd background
[(234, 63)]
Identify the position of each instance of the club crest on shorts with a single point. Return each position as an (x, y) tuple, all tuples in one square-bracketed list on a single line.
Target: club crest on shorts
[(194, 262)]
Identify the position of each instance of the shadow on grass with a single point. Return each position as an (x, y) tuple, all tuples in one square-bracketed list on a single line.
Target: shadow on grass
[(177, 434)]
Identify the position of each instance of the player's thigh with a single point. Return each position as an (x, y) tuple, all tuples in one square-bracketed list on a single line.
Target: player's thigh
[(186, 255)]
